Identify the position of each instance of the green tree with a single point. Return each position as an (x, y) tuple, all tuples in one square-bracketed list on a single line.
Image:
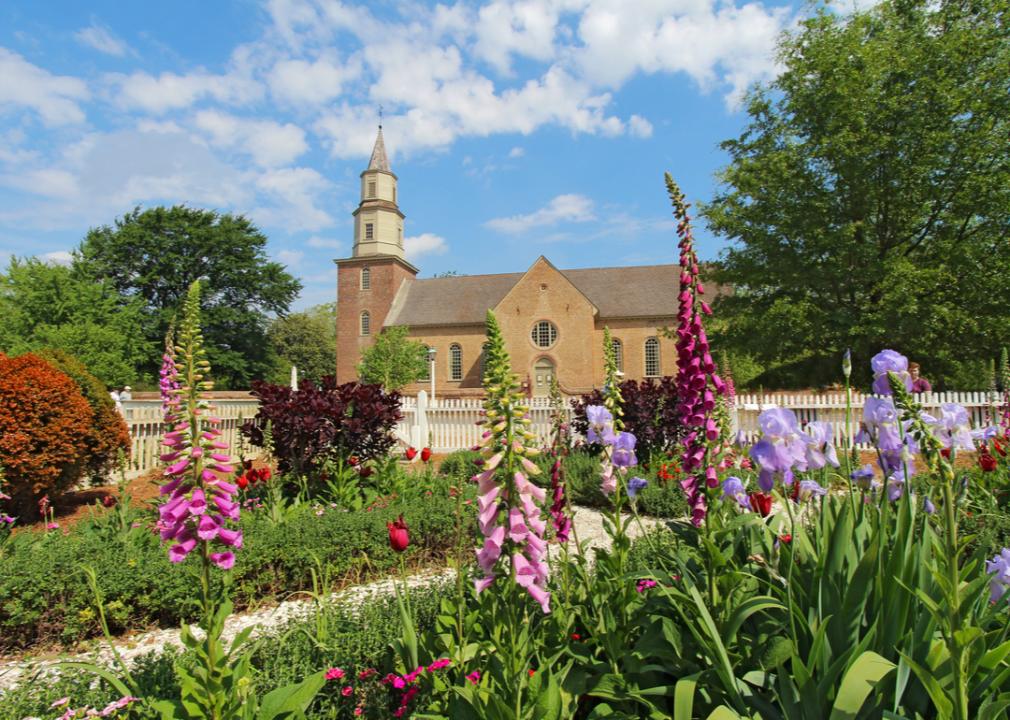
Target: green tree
[(394, 360), (868, 198), (157, 254), (44, 306), (307, 340)]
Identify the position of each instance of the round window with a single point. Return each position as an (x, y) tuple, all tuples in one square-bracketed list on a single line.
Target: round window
[(544, 334)]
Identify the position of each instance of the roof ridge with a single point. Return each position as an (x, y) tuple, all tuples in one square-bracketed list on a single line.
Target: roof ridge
[(379, 161)]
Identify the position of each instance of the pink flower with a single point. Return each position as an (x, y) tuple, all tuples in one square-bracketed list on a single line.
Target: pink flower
[(224, 560), (644, 585), (60, 703), (334, 673), (347, 691), (474, 677)]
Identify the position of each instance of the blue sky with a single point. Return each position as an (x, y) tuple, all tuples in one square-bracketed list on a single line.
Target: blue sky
[(517, 128)]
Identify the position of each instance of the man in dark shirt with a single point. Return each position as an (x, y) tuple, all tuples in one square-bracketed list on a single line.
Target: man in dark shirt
[(919, 383)]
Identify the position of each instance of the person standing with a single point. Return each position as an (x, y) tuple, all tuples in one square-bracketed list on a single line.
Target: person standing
[(919, 383), (114, 394)]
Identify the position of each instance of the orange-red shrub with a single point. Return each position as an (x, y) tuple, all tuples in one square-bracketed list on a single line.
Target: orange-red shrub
[(109, 433), (44, 429)]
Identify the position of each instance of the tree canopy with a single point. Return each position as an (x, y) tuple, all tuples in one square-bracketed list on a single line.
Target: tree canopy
[(868, 198), (156, 254), (44, 306), (306, 340), (394, 360)]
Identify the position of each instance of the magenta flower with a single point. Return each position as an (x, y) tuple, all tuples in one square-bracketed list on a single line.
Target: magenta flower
[(698, 383)]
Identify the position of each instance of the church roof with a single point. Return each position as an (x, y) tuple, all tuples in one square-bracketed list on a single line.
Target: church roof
[(618, 292), (379, 161)]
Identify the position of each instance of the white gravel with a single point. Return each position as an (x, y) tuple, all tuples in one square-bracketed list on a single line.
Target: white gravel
[(589, 527)]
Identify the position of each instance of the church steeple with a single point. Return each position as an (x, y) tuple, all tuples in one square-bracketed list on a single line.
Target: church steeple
[(378, 222), (379, 161)]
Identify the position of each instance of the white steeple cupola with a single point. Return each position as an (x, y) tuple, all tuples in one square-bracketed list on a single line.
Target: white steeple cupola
[(378, 222)]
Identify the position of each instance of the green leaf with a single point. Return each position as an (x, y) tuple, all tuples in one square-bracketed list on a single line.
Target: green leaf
[(683, 697), (291, 700), (864, 674)]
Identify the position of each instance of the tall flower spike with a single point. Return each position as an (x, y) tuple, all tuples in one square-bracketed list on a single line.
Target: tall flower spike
[(509, 505), (168, 378), (698, 383), (199, 503), (612, 398)]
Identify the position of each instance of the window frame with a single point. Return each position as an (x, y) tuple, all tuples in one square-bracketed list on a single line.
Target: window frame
[(455, 362), (535, 335), (369, 231), (366, 278), (618, 349), (654, 341), (365, 323)]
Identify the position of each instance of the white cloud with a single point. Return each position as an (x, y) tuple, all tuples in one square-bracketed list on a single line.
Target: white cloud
[(293, 195), (291, 258), (55, 98), (57, 257), (424, 244), (563, 208), (516, 152), (170, 91), (321, 242), (300, 82), (523, 28), (47, 182), (639, 127), (269, 143), (100, 38)]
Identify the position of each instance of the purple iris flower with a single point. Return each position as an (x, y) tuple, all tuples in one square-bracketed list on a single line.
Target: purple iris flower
[(928, 505), (953, 427), (820, 451), (985, 434), (636, 485), (599, 419), (732, 487), (778, 422), (895, 487), (623, 454), (880, 419), (999, 568), (888, 361), (863, 477), (809, 489)]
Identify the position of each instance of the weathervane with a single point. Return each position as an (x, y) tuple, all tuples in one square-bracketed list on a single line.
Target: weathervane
[(380, 117)]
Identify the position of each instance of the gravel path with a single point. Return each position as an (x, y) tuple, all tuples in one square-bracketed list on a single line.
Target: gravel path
[(588, 525)]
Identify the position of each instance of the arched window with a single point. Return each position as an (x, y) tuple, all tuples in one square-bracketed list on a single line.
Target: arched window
[(618, 353), (366, 323), (366, 278), (455, 362), (544, 334), (652, 357), (426, 373)]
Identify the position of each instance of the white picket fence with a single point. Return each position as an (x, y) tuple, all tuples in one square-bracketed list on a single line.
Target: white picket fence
[(831, 407), (143, 419), (451, 424)]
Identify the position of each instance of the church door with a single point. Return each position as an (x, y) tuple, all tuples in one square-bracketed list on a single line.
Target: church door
[(543, 372)]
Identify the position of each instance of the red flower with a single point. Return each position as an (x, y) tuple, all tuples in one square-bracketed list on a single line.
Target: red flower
[(108, 501), (945, 452), (265, 474), (398, 537), (762, 503), (998, 447), (365, 472), (987, 462), (411, 453), (242, 482), (532, 672), (786, 538), (352, 460), (426, 455), (575, 636)]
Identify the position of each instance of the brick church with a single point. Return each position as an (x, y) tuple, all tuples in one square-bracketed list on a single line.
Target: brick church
[(552, 319)]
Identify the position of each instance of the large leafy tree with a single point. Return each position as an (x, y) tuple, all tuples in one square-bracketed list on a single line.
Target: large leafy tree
[(394, 360), (868, 199), (306, 340), (46, 306), (156, 254)]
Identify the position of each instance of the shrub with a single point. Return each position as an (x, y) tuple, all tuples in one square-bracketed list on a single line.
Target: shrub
[(109, 433), (315, 421), (44, 429), (45, 598), (459, 466), (650, 414)]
